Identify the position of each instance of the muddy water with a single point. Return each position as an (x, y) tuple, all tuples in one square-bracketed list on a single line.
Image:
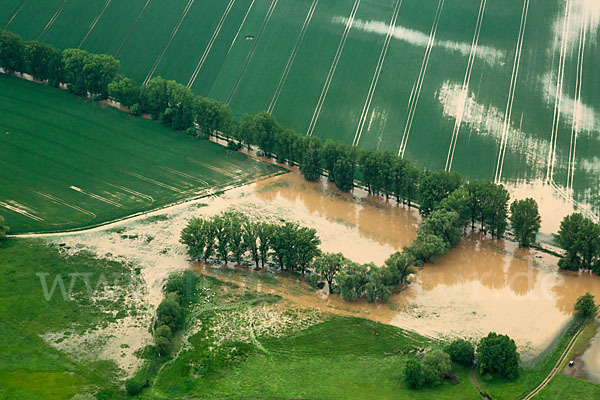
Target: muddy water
[(481, 286), (591, 359)]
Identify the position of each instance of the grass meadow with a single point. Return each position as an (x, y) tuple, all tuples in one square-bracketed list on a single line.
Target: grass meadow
[(29, 367), (69, 163)]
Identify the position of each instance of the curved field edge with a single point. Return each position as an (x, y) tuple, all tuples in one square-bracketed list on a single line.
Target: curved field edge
[(71, 164)]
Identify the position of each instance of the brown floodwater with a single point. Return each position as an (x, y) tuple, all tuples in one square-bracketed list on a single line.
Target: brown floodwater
[(591, 359), (482, 285)]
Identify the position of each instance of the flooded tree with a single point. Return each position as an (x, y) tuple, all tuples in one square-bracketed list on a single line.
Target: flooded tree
[(525, 220), (328, 265), (579, 237), (585, 306)]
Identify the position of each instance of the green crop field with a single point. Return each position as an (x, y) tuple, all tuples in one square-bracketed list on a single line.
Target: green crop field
[(68, 163), (504, 91)]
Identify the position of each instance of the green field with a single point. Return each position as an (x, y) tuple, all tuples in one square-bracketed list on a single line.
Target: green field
[(29, 367), (69, 163), (516, 78)]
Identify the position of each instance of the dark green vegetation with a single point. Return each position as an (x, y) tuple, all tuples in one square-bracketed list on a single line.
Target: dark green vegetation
[(497, 354), (579, 237), (297, 58), (67, 187), (525, 220), (585, 306), (3, 229), (461, 351), (29, 367)]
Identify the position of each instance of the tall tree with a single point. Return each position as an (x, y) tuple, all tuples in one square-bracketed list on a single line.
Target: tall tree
[(12, 51), (154, 98), (3, 228), (435, 187), (585, 305), (43, 62), (267, 129), (525, 220), (497, 354), (311, 160), (264, 232), (222, 228), (328, 265), (98, 72), (246, 131), (250, 234), (400, 267), (580, 238), (125, 91), (444, 224)]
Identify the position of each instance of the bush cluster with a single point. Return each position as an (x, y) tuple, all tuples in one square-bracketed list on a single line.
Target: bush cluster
[(496, 354)]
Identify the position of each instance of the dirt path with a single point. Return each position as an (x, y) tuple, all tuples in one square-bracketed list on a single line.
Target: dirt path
[(556, 368)]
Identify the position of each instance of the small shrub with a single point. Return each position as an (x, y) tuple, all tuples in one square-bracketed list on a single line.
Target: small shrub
[(136, 110), (461, 351), (133, 387), (413, 374)]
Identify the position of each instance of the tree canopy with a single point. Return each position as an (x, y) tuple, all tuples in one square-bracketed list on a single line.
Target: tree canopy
[(525, 220), (497, 354)]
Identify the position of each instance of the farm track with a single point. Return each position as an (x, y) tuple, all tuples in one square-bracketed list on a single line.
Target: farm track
[(210, 44), (416, 92), (250, 54), (241, 26), (332, 69), (558, 94), (375, 80), (168, 43), (576, 108), (556, 367), (292, 57), (465, 86), (132, 28), (511, 94), (17, 10), (94, 22), (53, 19)]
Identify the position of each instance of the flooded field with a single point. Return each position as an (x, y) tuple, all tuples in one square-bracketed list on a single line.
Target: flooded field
[(591, 359), (482, 285)]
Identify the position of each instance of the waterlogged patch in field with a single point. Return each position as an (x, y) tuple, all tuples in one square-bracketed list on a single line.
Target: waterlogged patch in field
[(71, 164), (394, 75), (481, 286)]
